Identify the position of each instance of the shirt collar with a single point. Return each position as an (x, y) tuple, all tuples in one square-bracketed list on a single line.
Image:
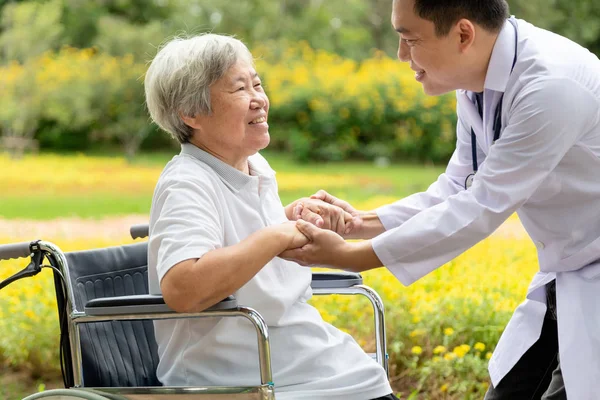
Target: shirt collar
[(501, 61), (233, 177)]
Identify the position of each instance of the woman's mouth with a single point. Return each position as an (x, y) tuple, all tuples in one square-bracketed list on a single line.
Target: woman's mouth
[(258, 120)]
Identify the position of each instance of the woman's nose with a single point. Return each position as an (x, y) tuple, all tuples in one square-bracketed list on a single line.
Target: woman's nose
[(258, 101)]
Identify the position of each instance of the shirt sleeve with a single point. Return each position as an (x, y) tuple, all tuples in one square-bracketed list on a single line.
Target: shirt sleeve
[(188, 223), (449, 183), (546, 118)]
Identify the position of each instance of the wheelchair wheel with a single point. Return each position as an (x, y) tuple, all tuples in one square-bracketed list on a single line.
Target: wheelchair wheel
[(66, 394)]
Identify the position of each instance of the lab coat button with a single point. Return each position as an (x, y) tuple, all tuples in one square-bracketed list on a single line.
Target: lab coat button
[(540, 245)]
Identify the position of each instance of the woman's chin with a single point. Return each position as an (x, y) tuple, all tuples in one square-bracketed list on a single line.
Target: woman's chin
[(260, 143)]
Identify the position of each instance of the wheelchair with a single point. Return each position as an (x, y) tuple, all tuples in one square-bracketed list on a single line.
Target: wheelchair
[(107, 344)]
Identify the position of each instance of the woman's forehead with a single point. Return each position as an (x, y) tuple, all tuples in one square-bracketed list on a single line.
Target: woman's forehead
[(240, 71)]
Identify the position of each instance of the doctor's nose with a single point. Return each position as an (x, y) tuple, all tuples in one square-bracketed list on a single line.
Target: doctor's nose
[(403, 51)]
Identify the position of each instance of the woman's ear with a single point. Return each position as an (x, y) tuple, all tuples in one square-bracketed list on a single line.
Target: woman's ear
[(192, 122)]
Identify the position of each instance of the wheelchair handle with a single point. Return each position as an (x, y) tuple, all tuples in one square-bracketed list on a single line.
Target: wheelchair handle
[(139, 231), (15, 250)]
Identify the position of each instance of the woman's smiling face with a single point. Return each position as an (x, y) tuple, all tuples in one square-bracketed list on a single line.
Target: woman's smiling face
[(236, 127)]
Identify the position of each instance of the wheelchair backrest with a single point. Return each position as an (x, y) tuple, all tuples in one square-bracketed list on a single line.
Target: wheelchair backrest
[(116, 353)]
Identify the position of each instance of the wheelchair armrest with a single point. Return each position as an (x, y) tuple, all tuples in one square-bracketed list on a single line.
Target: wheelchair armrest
[(142, 304), (335, 280)]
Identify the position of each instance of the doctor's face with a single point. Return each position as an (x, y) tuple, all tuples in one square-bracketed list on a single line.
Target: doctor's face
[(435, 60)]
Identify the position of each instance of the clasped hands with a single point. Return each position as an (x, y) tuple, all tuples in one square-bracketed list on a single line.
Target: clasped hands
[(323, 221)]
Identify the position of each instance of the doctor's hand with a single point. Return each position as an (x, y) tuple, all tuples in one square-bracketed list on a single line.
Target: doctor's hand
[(324, 247), (323, 215), (364, 224)]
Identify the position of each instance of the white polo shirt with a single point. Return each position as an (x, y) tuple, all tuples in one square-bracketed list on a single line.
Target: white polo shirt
[(201, 204)]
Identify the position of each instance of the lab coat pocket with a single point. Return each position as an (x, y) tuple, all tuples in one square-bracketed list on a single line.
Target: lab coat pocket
[(590, 272)]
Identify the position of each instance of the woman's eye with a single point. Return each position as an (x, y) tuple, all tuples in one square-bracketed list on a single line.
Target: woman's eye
[(259, 84), (241, 88)]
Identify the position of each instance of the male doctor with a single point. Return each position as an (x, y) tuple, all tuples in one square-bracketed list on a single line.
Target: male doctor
[(528, 141)]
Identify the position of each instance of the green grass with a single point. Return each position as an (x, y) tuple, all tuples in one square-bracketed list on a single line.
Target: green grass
[(46, 207), (17, 385), (394, 181)]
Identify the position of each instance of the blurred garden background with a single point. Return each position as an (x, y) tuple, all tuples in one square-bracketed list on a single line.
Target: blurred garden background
[(79, 160)]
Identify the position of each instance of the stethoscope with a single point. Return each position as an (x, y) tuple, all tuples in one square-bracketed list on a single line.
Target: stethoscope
[(497, 124)]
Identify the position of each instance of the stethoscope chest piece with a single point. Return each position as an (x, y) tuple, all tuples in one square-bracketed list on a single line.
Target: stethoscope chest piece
[(469, 181)]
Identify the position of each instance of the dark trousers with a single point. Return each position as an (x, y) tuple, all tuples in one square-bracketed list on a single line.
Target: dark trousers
[(537, 375), (388, 397)]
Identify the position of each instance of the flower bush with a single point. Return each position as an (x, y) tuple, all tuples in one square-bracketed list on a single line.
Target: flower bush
[(323, 106)]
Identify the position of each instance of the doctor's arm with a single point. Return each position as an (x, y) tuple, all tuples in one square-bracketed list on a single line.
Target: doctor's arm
[(449, 183), (369, 224), (546, 119)]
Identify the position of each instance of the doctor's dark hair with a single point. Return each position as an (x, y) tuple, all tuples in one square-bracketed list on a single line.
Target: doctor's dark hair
[(489, 14)]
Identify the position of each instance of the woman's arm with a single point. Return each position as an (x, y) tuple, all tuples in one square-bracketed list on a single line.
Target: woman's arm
[(196, 284)]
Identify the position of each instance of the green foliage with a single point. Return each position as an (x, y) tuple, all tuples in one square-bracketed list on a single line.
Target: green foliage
[(119, 37), (28, 29), (317, 116), (71, 91), (575, 19)]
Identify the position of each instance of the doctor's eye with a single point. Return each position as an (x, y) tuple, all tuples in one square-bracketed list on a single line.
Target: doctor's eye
[(409, 42)]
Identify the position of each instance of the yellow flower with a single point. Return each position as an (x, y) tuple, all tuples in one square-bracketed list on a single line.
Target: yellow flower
[(479, 346), (417, 332), (488, 355), (449, 356), (444, 387), (417, 350), (439, 350), (448, 331), (461, 350)]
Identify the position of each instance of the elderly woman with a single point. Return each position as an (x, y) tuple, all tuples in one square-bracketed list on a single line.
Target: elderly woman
[(216, 228)]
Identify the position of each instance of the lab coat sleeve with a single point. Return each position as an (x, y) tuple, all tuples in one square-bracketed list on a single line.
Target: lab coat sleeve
[(545, 119), (449, 183)]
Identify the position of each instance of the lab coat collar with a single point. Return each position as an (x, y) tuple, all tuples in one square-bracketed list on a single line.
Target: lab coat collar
[(501, 61), (497, 75)]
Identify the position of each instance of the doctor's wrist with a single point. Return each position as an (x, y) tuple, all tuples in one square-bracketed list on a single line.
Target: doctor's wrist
[(360, 256), (370, 226)]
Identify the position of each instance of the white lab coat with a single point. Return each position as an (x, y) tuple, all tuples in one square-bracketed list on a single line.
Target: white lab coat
[(546, 167)]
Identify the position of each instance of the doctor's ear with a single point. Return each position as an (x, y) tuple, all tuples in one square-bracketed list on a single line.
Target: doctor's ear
[(466, 32)]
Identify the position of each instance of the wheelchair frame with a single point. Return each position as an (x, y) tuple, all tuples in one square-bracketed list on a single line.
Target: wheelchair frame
[(152, 307)]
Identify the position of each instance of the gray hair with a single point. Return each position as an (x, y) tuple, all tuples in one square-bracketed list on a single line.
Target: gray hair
[(179, 78)]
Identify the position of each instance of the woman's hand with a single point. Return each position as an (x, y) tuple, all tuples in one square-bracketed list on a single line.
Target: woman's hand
[(323, 215), (364, 224), (290, 235), (322, 246)]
